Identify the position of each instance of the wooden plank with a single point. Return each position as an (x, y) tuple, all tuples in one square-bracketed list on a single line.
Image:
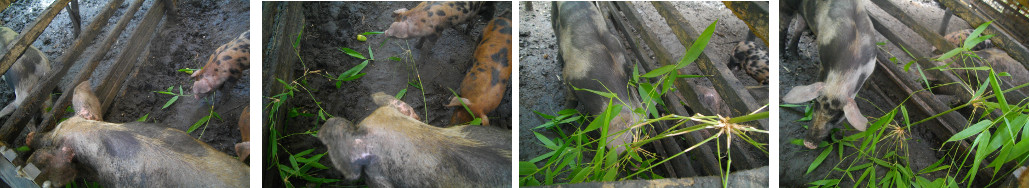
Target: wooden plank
[(1011, 22), (680, 166), (1002, 39), (728, 86), (76, 19), (51, 118), (933, 38), (14, 125), (281, 57), (27, 36), (134, 48), (754, 14), (687, 92)]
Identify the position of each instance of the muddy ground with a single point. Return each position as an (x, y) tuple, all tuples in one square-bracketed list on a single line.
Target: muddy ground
[(796, 71), (331, 25), (542, 91), (202, 26)]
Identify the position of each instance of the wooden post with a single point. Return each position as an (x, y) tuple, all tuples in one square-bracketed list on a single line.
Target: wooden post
[(136, 46), (27, 36), (281, 25)]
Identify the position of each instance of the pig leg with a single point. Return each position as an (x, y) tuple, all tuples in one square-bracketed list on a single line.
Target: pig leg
[(427, 42), (797, 33)]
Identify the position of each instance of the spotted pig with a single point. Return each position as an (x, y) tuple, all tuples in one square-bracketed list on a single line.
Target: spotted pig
[(227, 62), (25, 73), (957, 38), (429, 19), (753, 58), (484, 85), (845, 47), (391, 149)]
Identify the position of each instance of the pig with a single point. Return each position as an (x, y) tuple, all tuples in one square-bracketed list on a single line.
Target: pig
[(847, 51), (25, 73), (594, 59), (484, 85), (394, 150), (957, 38), (133, 154), (85, 103), (229, 61), (243, 148), (429, 19), (753, 58)]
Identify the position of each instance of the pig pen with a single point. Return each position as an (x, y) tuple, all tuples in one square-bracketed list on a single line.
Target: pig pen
[(542, 91), (180, 42), (884, 90), (328, 26)]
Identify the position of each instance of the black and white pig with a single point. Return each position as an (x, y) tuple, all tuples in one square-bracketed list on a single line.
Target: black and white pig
[(594, 59), (25, 73), (847, 51), (393, 149)]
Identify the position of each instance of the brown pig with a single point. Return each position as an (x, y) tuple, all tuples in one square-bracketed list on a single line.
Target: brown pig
[(484, 85), (25, 73), (133, 154), (243, 148), (227, 62), (429, 19), (85, 103), (394, 150)]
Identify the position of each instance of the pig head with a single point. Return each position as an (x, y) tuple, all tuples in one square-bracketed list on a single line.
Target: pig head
[(844, 38), (227, 62)]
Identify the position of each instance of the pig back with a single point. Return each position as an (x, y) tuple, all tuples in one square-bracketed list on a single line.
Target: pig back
[(593, 57), (412, 154), (148, 155)]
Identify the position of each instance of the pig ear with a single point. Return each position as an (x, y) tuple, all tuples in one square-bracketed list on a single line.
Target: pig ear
[(801, 94), (454, 101), (69, 154), (382, 99), (854, 116)]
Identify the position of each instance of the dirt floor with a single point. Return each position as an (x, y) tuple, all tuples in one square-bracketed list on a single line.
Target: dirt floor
[(542, 91), (795, 71), (202, 27), (331, 25)]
